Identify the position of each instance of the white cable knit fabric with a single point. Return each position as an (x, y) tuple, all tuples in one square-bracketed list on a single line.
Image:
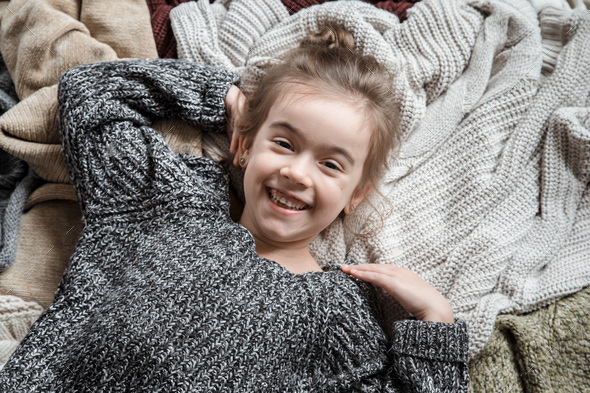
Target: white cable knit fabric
[(489, 197)]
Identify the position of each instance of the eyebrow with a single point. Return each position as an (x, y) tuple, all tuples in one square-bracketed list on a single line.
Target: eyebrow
[(333, 148)]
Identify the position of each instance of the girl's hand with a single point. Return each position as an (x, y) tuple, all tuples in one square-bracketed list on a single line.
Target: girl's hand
[(235, 102), (414, 294)]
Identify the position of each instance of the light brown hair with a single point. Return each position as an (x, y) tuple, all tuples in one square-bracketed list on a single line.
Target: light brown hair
[(326, 63)]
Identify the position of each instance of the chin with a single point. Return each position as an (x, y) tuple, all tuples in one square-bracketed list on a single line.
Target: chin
[(283, 235)]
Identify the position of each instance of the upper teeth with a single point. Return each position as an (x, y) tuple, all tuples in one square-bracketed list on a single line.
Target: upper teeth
[(290, 204)]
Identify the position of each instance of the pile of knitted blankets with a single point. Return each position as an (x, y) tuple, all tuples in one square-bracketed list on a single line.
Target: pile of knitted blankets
[(488, 199), (488, 196)]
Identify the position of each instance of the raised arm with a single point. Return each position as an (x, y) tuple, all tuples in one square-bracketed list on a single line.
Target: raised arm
[(116, 161)]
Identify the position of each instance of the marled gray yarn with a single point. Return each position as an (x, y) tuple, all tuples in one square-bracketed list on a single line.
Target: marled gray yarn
[(15, 184), (11, 207), (164, 293), (8, 97)]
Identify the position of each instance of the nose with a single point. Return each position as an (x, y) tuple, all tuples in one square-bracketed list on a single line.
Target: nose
[(298, 171)]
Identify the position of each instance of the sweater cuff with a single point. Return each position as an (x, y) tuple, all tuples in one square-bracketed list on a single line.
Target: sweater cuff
[(431, 340), (215, 93)]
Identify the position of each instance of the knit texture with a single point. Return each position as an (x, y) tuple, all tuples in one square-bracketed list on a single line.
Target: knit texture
[(165, 293), (222, 37), (15, 184), (49, 227), (41, 39), (488, 199), (11, 210), (294, 6), (160, 18), (397, 7), (16, 317), (543, 351), (8, 96)]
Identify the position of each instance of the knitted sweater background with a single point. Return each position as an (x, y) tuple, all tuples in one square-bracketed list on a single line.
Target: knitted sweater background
[(488, 199), (165, 293), (398, 7), (15, 184), (160, 19)]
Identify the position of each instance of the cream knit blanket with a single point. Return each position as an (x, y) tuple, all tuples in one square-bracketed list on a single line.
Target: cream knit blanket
[(489, 197)]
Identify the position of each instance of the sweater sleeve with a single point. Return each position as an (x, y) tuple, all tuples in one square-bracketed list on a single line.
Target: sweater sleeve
[(424, 357), (413, 356), (116, 161), (430, 357)]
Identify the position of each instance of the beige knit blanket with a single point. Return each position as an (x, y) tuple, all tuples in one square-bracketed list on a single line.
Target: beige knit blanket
[(489, 197), (39, 40)]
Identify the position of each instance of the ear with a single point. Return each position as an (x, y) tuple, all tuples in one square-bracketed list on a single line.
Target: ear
[(243, 150), (357, 197)]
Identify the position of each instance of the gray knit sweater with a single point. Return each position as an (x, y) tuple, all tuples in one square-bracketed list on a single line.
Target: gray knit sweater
[(164, 293)]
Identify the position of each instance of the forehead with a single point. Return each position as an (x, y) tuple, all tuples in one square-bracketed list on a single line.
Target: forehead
[(324, 118)]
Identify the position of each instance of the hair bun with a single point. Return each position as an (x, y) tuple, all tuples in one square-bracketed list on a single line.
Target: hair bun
[(330, 36)]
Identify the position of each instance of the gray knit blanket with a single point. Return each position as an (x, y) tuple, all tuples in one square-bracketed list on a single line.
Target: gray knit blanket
[(488, 199)]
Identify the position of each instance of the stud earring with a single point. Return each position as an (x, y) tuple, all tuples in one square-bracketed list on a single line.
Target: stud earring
[(352, 209), (242, 161)]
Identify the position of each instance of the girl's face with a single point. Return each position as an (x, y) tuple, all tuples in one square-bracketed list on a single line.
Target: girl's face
[(303, 167)]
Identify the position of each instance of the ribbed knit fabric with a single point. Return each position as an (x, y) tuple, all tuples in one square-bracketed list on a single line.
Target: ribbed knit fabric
[(16, 317), (546, 350), (398, 7), (41, 39), (554, 35), (11, 210), (539, 5), (223, 37), (488, 198), (8, 97), (165, 293), (15, 184), (294, 6), (160, 18)]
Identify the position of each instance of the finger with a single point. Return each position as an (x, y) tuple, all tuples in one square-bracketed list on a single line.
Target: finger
[(233, 146), (241, 99), (231, 96), (374, 267), (377, 278)]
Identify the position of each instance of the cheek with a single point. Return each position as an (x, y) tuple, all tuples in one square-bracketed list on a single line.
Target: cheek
[(334, 192), (347, 191), (258, 169)]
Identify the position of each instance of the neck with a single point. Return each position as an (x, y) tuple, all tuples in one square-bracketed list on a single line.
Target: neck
[(297, 259)]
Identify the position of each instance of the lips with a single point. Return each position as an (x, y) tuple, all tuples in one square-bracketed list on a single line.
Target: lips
[(286, 201)]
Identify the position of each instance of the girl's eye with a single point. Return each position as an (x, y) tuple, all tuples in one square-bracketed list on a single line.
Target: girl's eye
[(283, 144), (333, 166)]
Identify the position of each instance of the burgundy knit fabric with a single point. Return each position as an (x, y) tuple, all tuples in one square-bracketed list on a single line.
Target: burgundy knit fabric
[(297, 5), (398, 7), (163, 35)]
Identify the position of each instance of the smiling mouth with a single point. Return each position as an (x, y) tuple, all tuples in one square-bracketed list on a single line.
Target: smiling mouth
[(284, 201)]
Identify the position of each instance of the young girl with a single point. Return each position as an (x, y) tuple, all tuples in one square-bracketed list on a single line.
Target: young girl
[(165, 293)]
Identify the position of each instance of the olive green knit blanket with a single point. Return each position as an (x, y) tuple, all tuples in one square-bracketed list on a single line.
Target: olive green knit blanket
[(547, 350)]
